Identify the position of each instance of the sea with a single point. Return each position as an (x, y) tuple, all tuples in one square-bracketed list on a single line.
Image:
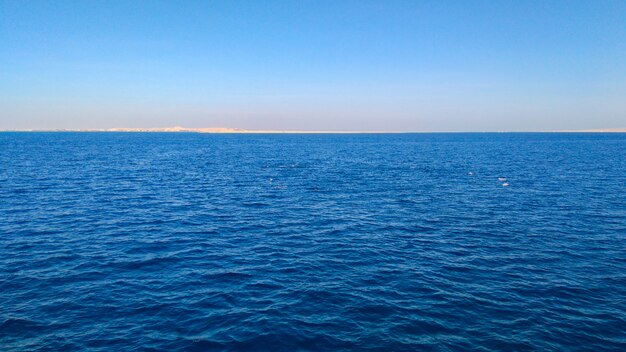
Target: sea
[(312, 242)]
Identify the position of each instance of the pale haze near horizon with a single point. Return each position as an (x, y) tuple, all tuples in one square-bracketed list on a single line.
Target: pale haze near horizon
[(314, 65)]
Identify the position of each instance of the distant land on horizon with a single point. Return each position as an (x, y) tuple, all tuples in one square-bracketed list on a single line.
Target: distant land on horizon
[(240, 130)]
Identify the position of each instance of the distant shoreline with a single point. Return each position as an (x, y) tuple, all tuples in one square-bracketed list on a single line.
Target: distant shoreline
[(243, 131)]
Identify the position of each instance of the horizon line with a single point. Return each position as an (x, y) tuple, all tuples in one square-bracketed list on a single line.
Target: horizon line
[(228, 130)]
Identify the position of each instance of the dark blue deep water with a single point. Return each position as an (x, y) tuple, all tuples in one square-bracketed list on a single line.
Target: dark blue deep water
[(399, 242)]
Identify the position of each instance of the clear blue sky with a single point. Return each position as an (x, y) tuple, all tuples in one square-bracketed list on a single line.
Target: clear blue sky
[(314, 65)]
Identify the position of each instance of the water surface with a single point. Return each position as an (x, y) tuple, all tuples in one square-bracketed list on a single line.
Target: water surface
[(386, 242)]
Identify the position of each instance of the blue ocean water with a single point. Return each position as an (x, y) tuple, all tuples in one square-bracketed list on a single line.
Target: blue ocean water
[(381, 242)]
